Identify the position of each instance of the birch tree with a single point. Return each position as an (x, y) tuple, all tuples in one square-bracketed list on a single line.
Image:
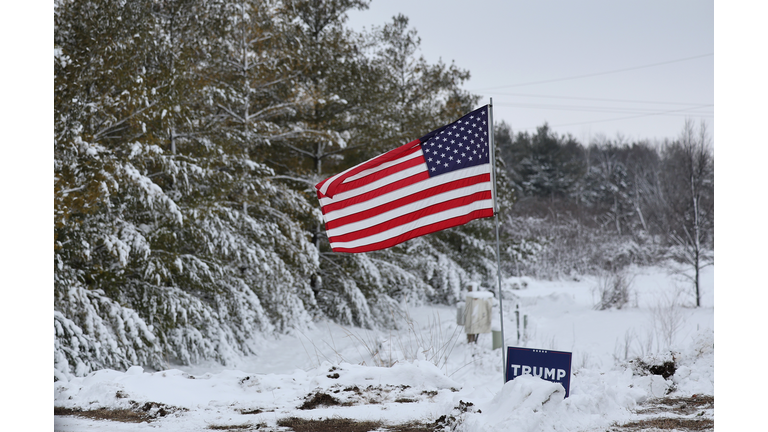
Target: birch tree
[(689, 193)]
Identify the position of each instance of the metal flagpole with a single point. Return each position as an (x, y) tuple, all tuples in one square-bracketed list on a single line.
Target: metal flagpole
[(498, 249)]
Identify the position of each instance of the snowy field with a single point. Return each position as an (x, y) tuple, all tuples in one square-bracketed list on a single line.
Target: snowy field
[(426, 373)]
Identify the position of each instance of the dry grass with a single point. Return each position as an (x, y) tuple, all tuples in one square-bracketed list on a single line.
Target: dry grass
[(328, 425), (251, 411), (414, 427), (691, 415), (666, 423), (349, 425), (121, 415), (138, 413), (684, 406), (234, 427)]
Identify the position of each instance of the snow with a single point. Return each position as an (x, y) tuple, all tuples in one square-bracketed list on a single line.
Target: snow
[(427, 370)]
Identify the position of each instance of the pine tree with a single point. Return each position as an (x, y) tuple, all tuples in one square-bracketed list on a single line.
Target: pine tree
[(171, 243)]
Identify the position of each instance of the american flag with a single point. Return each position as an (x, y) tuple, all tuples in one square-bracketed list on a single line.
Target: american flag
[(436, 182)]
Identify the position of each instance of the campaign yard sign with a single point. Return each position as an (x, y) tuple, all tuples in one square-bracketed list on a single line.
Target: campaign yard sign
[(550, 365)]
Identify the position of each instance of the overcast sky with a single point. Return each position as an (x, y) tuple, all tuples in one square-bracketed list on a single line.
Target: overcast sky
[(637, 68)]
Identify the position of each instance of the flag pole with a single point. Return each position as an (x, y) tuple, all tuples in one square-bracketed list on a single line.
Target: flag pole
[(498, 248)]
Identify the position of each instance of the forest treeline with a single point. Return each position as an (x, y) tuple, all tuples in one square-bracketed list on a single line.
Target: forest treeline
[(189, 135)]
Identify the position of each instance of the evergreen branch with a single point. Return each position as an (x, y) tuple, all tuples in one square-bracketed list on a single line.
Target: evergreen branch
[(269, 108), (282, 177), (298, 150), (109, 128), (231, 113), (331, 153)]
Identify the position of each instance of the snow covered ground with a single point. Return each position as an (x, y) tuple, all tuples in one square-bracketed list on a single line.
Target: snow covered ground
[(426, 370)]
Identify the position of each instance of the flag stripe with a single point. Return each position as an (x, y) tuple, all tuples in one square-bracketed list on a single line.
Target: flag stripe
[(392, 188), (401, 216), (413, 153), (339, 209), (392, 183), (371, 176), (328, 188), (427, 228), (375, 211), (396, 172)]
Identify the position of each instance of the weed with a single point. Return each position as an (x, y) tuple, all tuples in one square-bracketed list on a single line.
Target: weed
[(613, 289), (667, 317), (429, 343)]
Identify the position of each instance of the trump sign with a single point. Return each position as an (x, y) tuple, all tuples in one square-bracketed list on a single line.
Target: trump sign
[(549, 365)]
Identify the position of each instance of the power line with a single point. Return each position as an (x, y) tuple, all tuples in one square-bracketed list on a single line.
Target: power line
[(595, 74), (618, 110), (595, 99), (608, 120)]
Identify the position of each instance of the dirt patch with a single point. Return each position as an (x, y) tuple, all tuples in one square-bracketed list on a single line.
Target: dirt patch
[(695, 404), (328, 425), (320, 399), (251, 411), (664, 369), (694, 413), (405, 400), (349, 425), (414, 427), (667, 423), (447, 422), (138, 412), (246, 426), (121, 415)]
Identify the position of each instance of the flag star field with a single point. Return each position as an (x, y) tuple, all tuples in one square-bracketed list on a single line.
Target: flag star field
[(460, 145)]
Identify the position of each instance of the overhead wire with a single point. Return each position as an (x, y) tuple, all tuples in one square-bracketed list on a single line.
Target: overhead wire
[(596, 73), (596, 99), (604, 120), (617, 110), (690, 108)]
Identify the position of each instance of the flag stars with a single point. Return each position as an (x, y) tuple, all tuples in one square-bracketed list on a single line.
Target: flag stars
[(461, 144)]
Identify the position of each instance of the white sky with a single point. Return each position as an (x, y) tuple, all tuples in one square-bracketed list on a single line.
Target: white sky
[(506, 45)]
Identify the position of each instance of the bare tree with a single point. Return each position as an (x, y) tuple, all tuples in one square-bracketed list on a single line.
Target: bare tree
[(689, 193)]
